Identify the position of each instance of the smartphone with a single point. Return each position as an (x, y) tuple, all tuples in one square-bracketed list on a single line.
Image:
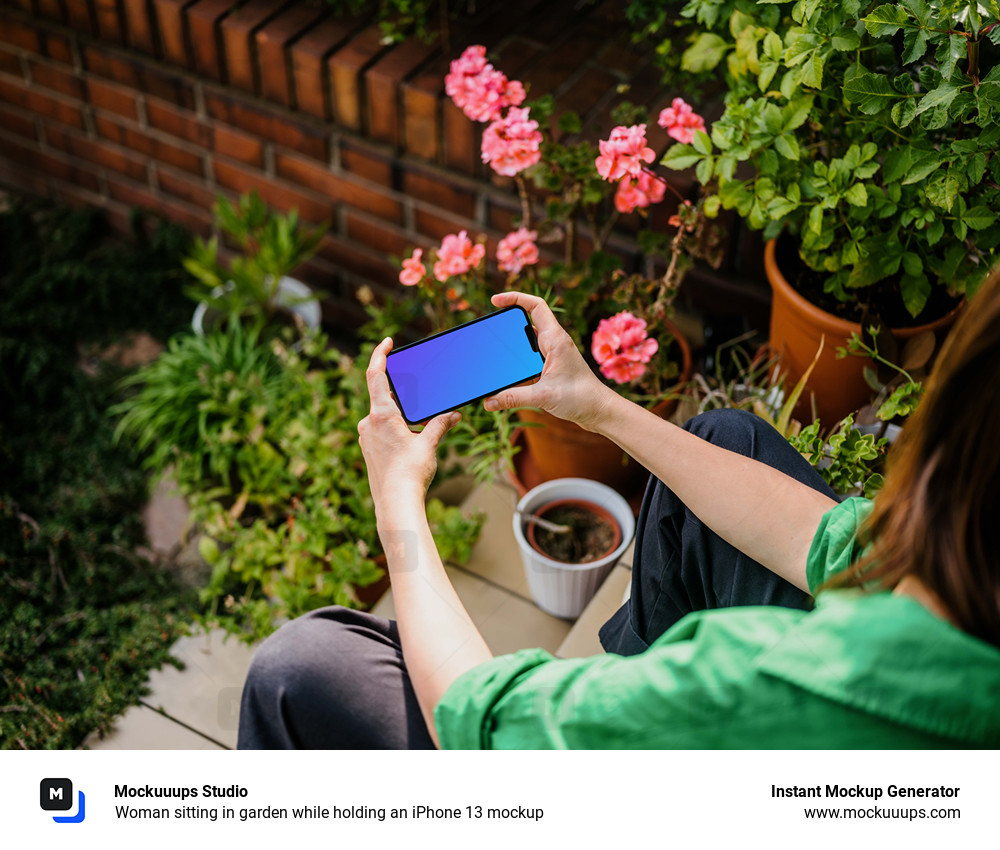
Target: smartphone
[(464, 364)]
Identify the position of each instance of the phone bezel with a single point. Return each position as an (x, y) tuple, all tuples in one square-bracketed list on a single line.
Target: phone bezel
[(426, 339)]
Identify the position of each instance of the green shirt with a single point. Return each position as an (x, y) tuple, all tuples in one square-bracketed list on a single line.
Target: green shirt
[(862, 670)]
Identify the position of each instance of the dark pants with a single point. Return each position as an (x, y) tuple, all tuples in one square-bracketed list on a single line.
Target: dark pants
[(335, 678)]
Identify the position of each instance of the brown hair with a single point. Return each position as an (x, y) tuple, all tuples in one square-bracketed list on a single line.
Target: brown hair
[(938, 516)]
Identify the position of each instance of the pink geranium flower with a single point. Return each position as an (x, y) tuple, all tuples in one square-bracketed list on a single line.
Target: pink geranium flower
[(622, 347), (512, 143), (623, 153), (635, 194), (457, 255), (478, 89), (413, 270), (517, 250), (680, 121)]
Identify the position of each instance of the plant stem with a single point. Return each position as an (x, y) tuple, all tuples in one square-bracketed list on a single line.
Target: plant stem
[(522, 190)]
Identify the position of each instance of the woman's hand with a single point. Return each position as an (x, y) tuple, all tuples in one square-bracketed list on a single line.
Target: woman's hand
[(401, 463), (568, 388)]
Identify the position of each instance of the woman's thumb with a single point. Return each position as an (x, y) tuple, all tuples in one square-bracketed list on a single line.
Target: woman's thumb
[(440, 425), (508, 399)]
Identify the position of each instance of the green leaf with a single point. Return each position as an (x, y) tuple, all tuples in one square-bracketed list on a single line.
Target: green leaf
[(915, 290), (948, 54), (702, 143), (979, 217), (704, 54), (935, 231), (703, 171), (914, 45), (912, 264), (976, 168), (885, 20), (795, 114), (856, 196), (816, 219), (711, 207), (845, 39), (921, 11), (924, 164), (679, 157), (569, 122), (787, 146), (208, 549), (903, 113), (943, 95), (871, 92), (943, 190)]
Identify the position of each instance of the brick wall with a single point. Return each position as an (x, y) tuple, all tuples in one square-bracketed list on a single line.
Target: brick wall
[(167, 103)]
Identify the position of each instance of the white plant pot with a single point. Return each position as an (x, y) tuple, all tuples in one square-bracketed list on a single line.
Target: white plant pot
[(290, 295), (565, 589)]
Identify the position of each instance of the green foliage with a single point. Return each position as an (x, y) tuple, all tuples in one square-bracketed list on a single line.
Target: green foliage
[(868, 132), (846, 458), (261, 438), (401, 18), (82, 617), (272, 246)]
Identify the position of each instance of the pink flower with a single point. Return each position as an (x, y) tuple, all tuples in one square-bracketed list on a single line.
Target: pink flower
[(413, 270), (646, 189), (623, 154), (622, 347), (680, 121), (517, 250), (511, 143), (478, 89), (457, 255)]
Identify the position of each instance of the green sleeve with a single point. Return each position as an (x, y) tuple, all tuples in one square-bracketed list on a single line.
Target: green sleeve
[(835, 546), (680, 693)]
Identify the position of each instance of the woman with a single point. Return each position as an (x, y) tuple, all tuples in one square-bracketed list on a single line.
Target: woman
[(718, 645)]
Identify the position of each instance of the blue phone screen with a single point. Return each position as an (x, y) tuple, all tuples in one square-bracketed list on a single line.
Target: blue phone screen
[(466, 363)]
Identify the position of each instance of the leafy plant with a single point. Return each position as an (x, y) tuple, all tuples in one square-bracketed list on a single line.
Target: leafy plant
[(271, 245), (867, 132), (424, 19), (261, 438), (83, 615), (846, 457)]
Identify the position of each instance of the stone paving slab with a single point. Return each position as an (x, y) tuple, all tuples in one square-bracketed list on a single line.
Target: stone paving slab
[(141, 728)]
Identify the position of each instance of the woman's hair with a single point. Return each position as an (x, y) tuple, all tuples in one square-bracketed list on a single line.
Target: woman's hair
[(938, 516)]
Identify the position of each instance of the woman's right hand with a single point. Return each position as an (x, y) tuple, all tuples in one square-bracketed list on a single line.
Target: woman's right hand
[(568, 388)]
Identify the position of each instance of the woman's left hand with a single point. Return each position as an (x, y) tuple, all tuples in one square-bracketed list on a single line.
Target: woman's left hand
[(401, 463)]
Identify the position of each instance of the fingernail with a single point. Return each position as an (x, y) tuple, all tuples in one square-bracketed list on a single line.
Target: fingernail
[(491, 404)]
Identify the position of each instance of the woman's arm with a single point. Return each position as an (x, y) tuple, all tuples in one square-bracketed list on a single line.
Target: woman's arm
[(762, 512), (439, 639)]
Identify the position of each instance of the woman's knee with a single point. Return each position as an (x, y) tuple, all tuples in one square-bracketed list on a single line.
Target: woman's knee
[(736, 430)]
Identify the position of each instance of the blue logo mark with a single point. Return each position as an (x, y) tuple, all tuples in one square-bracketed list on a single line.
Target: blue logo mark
[(57, 794)]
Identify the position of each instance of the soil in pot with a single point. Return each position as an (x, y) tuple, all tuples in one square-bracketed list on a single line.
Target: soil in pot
[(591, 536)]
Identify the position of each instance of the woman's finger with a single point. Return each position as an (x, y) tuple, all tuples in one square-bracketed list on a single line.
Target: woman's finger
[(541, 314), (439, 426), (378, 383)]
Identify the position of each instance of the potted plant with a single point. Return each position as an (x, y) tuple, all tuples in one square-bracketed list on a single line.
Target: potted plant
[(565, 568), (622, 322), (865, 136), (261, 439), (255, 282)]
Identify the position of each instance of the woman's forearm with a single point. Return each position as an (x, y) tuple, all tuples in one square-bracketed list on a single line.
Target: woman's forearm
[(439, 639), (764, 513)]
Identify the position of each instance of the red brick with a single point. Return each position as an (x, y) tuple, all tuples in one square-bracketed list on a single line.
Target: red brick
[(80, 16), (178, 122), (18, 122), (57, 79), (377, 234), (309, 67), (23, 5), (368, 264), (239, 179), (461, 140), (135, 74), (136, 140), (16, 33), (272, 42), (53, 9), (10, 63), (237, 34), (345, 67), (182, 186), (57, 47), (111, 157), (132, 194), (322, 180), (170, 22), (203, 20), (436, 227), (433, 189), (110, 24), (139, 26), (194, 219), (363, 161), (421, 122), (584, 96), (302, 137), (41, 104), (56, 166), (111, 98), (237, 145), (382, 87)]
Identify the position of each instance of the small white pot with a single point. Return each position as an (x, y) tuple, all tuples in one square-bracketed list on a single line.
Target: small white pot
[(565, 589), (290, 295)]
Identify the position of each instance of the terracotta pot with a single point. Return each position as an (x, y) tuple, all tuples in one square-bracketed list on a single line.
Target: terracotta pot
[(561, 449), (798, 325), (368, 595), (589, 507)]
